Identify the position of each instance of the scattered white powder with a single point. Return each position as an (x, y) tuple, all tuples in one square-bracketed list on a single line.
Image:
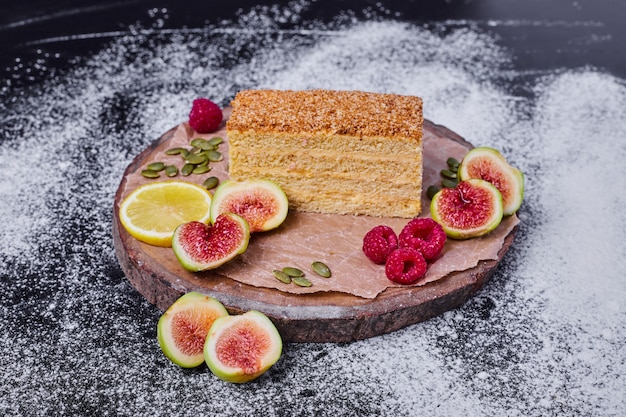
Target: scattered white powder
[(545, 337)]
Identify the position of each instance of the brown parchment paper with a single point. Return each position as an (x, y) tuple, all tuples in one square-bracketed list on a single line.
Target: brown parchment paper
[(333, 239)]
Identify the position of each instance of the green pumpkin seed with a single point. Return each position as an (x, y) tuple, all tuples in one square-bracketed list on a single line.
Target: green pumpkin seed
[(215, 141), (203, 144), (432, 190), (211, 183), (184, 153), (171, 171), (293, 272), (453, 164), (174, 151), (448, 174), (301, 281), (214, 156), (195, 159), (449, 183), (203, 163), (148, 173), (156, 166), (201, 169), (195, 150), (281, 276), (187, 169), (321, 269), (197, 142)]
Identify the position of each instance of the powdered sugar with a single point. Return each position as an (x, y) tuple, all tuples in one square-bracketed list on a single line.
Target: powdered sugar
[(545, 337)]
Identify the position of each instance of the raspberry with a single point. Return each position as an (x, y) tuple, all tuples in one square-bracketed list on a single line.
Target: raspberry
[(405, 266), (205, 116), (379, 242), (425, 235)]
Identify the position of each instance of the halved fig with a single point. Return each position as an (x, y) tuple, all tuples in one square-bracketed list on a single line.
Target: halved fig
[(261, 202), (490, 165), (199, 247), (183, 328), (473, 208), (241, 348)]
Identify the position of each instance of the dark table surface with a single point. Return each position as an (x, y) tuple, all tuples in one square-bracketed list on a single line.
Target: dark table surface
[(84, 88)]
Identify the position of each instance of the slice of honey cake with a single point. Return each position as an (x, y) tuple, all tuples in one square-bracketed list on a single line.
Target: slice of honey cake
[(344, 152)]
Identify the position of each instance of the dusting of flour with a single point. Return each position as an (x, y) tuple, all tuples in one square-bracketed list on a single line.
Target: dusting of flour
[(545, 337)]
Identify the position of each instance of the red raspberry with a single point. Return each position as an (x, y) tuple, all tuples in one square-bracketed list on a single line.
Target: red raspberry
[(379, 242), (405, 266), (205, 116), (425, 235)]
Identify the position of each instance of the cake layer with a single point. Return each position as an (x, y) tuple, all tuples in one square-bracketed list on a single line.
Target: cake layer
[(312, 141), (340, 152), (332, 197), (340, 165), (305, 189)]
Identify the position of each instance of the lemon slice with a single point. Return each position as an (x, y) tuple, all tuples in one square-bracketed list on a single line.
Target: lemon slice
[(151, 212)]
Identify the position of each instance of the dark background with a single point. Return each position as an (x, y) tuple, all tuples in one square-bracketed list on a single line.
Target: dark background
[(579, 33), (39, 40)]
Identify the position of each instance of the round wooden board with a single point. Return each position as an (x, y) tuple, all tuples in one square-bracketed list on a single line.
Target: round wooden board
[(316, 317)]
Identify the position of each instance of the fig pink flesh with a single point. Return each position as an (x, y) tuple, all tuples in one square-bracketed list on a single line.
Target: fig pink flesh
[(207, 244), (242, 346), (484, 168), (189, 331), (256, 206), (466, 206)]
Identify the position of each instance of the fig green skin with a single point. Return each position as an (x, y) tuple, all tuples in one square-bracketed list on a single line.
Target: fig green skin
[(444, 200), (229, 191), (193, 264), (223, 331), (190, 302), (508, 180)]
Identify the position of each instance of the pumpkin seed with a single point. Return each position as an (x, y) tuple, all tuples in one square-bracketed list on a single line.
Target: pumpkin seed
[(184, 153), (301, 281), (195, 150), (293, 272), (174, 151), (216, 141), (148, 173), (449, 183), (321, 269), (448, 174), (432, 190), (453, 164), (195, 159), (201, 169), (156, 166), (187, 169), (198, 142), (203, 144), (203, 163), (214, 156), (281, 276), (211, 183), (171, 171)]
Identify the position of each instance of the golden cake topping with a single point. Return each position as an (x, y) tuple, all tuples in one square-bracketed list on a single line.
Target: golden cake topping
[(352, 113)]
